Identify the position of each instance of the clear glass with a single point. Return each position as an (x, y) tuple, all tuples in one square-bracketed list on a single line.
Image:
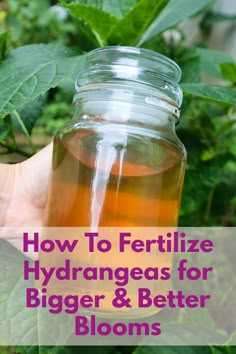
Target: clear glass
[(119, 161)]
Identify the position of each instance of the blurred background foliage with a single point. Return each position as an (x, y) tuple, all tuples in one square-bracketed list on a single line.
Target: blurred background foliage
[(207, 125), (207, 128)]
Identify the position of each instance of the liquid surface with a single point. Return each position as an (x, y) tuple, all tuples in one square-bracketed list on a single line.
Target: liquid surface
[(113, 180)]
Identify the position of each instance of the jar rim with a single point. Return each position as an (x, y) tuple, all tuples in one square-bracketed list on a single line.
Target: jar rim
[(132, 66), (146, 59)]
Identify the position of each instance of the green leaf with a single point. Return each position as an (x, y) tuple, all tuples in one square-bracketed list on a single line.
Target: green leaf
[(14, 317), (39, 350), (164, 350), (5, 129), (95, 350), (182, 334), (114, 7), (3, 44), (29, 114), (194, 198), (98, 22), (196, 316), (172, 350), (191, 70), (173, 13), (232, 149), (122, 23), (212, 18), (119, 8), (228, 70), (213, 93), (19, 324), (208, 155), (211, 60), (30, 71), (220, 350), (129, 29)]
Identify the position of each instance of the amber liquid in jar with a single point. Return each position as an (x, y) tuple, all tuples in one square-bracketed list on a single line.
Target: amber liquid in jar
[(103, 188)]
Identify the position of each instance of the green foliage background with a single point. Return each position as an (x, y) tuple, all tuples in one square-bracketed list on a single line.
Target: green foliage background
[(41, 49)]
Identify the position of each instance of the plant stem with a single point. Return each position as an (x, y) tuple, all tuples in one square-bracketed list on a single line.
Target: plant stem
[(23, 127), (11, 149)]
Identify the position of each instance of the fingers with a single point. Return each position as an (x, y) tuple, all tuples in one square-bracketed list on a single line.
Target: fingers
[(35, 173)]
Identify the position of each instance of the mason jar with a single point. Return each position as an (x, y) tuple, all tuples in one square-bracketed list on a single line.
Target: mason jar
[(119, 162)]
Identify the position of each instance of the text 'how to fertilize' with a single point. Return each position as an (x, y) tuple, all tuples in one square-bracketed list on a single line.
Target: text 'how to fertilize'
[(92, 275)]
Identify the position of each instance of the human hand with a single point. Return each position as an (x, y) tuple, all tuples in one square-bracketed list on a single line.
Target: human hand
[(23, 190)]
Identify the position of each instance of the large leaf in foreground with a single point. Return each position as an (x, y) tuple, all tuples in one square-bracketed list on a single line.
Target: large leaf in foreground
[(20, 322), (20, 325), (214, 93), (32, 70), (29, 114), (173, 13)]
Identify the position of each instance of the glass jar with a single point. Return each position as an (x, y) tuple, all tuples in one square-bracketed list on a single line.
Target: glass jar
[(119, 161)]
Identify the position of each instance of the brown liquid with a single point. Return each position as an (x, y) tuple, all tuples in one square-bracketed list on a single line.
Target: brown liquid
[(107, 190), (109, 186)]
